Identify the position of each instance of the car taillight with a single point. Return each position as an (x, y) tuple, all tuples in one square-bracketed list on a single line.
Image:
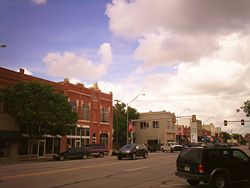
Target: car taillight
[(201, 168)]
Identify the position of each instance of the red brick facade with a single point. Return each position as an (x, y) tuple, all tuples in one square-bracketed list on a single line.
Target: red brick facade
[(97, 123)]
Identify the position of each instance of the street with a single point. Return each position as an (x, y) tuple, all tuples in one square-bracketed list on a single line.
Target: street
[(156, 171)]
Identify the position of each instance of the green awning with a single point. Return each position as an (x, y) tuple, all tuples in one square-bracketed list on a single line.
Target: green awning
[(10, 135)]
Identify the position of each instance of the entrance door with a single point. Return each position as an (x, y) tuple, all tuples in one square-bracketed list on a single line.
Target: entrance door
[(41, 148)]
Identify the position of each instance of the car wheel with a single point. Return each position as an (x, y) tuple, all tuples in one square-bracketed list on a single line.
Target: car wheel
[(133, 156), (219, 181), (84, 156), (101, 155), (145, 155), (193, 182), (171, 150), (119, 157), (61, 158), (162, 150)]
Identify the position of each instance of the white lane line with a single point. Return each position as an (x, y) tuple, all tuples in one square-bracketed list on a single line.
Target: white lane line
[(135, 169)]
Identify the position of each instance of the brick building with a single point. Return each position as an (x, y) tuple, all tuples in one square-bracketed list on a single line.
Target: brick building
[(94, 125)]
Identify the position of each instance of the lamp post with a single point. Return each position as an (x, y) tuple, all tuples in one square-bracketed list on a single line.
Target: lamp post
[(142, 94)]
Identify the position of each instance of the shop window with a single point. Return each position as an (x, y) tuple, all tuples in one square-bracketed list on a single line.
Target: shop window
[(86, 131), (57, 145), (49, 145), (35, 147)]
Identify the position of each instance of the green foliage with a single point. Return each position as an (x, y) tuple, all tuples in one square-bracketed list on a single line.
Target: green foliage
[(120, 122), (246, 108), (225, 136), (38, 110)]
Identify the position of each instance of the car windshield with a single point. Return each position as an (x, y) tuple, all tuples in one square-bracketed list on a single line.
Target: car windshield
[(129, 146)]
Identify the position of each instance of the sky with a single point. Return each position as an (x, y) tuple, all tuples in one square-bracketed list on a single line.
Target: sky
[(187, 57)]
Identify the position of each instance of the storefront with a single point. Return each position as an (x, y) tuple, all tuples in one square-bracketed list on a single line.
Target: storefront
[(9, 144)]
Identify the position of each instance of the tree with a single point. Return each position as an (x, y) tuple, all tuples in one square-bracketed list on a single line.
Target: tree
[(38, 110), (120, 122), (246, 108), (225, 136)]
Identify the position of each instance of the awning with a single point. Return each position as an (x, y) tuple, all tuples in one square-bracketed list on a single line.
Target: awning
[(10, 135)]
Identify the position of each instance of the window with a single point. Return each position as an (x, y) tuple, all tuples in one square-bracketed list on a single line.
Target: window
[(155, 124), (74, 106), (144, 125), (239, 156), (104, 115), (85, 113), (86, 131), (49, 145)]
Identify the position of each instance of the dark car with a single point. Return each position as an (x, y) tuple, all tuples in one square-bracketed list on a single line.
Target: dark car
[(216, 165), (72, 153), (132, 151), (97, 150)]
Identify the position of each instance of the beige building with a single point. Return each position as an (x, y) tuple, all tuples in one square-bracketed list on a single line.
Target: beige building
[(210, 128), (155, 128)]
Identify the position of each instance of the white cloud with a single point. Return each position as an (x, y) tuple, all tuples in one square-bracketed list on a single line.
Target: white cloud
[(106, 52), (177, 31), (196, 55), (78, 66), (39, 2)]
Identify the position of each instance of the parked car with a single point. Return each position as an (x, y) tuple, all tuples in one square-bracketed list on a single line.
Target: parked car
[(171, 146), (132, 151), (215, 165), (97, 150), (72, 153)]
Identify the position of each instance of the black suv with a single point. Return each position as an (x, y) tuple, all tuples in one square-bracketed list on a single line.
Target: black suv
[(132, 151), (216, 165)]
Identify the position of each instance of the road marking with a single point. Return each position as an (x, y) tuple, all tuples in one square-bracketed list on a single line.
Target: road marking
[(61, 170), (135, 169)]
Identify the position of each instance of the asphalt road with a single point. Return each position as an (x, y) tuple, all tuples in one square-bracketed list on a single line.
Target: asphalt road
[(156, 171)]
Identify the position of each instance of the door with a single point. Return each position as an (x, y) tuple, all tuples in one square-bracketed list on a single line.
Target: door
[(41, 148), (240, 165)]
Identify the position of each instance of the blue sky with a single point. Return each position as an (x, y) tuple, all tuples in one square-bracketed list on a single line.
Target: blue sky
[(181, 55)]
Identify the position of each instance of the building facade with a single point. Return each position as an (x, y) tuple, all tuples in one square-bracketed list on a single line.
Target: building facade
[(155, 128), (94, 125)]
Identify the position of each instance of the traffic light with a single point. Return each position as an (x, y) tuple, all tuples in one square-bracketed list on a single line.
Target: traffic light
[(225, 122), (193, 118), (242, 122)]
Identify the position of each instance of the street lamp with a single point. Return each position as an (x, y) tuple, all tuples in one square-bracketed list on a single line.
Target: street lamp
[(142, 94)]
